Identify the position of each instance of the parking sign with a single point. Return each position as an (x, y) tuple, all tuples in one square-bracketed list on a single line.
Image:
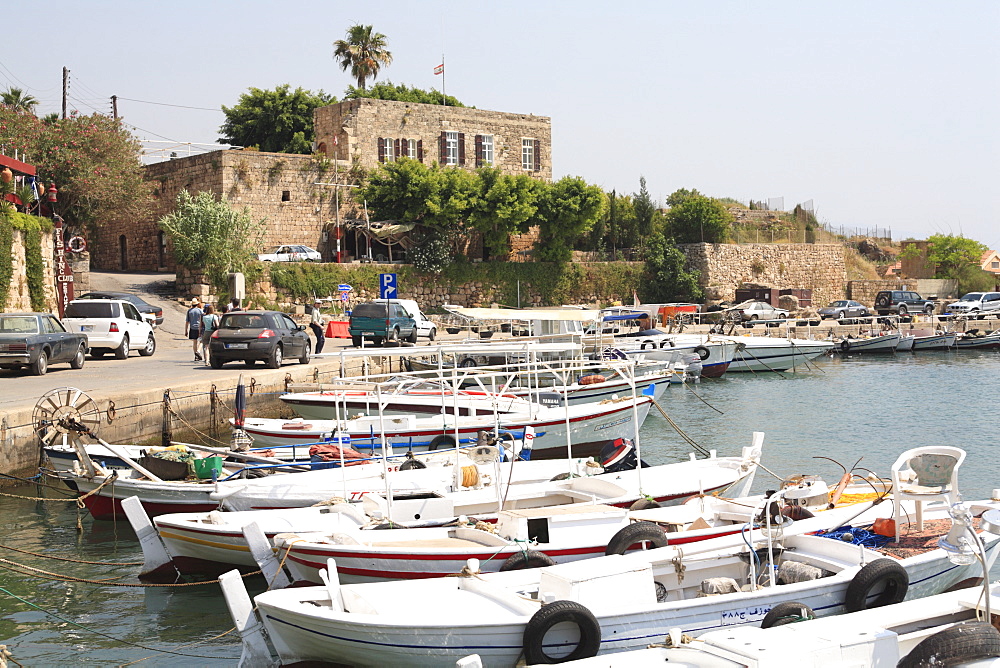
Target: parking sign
[(387, 286)]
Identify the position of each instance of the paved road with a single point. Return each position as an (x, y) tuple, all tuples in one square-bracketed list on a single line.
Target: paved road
[(173, 363)]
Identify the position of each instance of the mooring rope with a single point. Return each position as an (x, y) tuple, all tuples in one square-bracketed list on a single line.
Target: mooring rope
[(74, 561), (49, 575), (678, 429)]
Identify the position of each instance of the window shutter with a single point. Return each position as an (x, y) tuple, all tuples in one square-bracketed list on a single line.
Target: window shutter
[(420, 150), (479, 150), (397, 155), (443, 157), (461, 148), (381, 150), (538, 155)]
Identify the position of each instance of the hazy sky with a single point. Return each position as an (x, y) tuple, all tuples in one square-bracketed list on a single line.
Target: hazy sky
[(882, 113)]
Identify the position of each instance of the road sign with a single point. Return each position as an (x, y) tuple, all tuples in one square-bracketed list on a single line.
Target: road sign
[(344, 287), (344, 296), (387, 286)]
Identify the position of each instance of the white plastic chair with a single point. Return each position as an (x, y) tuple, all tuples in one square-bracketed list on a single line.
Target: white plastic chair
[(925, 474)]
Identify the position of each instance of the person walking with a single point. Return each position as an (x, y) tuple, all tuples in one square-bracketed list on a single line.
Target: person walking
[(209, 323), (192, 327), (316, 325)]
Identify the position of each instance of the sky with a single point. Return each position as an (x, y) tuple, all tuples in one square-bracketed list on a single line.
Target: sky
[(884, 114)]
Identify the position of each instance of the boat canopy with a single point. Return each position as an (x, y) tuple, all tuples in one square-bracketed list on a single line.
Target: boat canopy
[(564, 315)]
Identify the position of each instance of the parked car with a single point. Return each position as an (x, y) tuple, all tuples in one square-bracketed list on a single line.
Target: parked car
[(425, 326), (36, 340), (843, 309), (249, 336), (382, 320), (757, 310), (152, 313), (111, 325), (290, 253), (975, 302), (902, 302)]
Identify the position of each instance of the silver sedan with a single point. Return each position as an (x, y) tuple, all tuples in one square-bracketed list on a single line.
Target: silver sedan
[(844, 309)]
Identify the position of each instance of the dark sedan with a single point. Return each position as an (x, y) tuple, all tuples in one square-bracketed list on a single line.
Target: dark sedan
[(35, 340), (844, 309), (153, 314), (258, 335)]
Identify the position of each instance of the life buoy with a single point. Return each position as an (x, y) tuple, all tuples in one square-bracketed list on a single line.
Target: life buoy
[(526, 559), (76, 244), (647, 345), (845, 345), (440, 440), (637, 532), (666, 342), (960, 644), (702, 352), (558, 612), (788, 612), (879, 572)]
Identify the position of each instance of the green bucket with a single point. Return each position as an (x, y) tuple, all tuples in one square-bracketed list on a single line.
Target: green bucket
[(206, 467)]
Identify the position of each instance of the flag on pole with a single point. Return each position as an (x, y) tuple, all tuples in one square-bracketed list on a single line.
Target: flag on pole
[(439, 69)]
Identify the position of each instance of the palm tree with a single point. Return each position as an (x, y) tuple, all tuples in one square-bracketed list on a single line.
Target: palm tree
[(18, 99), (363, 52)]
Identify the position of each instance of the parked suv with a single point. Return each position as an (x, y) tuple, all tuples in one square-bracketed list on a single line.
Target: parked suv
[(902, 302), (382, 320), (976, 302), (111, 325), (425, 326)]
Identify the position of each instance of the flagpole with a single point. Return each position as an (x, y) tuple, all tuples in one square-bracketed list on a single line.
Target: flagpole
[(444, 94)]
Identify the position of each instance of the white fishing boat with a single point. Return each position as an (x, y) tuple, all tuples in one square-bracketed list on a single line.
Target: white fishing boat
[(305, 538), (949, 629), (976, 340), (712, 355), (529, 485), (585, 426), (929, 339), (877, 343), (606, 604), (767, 353), (905, 344)]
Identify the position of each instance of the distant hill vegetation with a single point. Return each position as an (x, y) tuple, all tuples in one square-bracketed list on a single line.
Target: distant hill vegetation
[(401, 93)]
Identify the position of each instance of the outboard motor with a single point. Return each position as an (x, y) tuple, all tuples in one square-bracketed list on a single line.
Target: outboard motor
[(551, 399), (619, 455)]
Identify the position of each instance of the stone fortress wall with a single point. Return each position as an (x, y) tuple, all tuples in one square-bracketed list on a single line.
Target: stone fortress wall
[(19, 297)]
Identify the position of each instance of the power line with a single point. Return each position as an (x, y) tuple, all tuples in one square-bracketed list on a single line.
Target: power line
[(165, 104)]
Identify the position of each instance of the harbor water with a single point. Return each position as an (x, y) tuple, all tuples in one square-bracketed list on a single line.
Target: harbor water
[(868, 408)]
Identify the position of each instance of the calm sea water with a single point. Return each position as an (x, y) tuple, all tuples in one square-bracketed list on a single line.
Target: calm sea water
[(868, 408)]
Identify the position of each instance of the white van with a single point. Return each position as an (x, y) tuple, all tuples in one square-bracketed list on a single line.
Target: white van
[(425, 326)]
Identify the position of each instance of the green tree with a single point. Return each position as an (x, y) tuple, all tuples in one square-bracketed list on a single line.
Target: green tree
[(699, 219), (363, 53), (679, 196), (668, 278), (277, 121), (401, 93), (503, 205), (566, 209), (644, 208), (400, 190), (208, 234), (953, 255), (17, 99)]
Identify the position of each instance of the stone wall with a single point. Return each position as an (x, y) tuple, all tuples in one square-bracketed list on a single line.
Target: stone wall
[(351, 131), (725, 267), (287, 190), (19, 298)]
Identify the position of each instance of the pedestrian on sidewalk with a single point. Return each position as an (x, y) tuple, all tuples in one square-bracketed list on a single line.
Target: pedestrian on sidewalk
[(316, 325), (192, 328), (209, 323)]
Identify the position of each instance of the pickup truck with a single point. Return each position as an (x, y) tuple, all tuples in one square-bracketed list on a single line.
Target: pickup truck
[(381, 321)]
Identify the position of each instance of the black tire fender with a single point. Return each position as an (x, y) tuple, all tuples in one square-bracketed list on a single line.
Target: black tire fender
[(648, 345), (879, 572), (467, 363), (666, 343), (788, 612), (412, 464), (702, 352), (845, 345), (959, 644), (526, 559), (439, 440), (637, 532), (555, 613)]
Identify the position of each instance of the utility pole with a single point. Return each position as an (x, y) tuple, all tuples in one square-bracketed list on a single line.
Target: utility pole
[(65, 90), (114, 106)]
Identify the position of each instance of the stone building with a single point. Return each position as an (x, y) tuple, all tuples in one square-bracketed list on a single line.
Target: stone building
[(368, 132), (307, 199)]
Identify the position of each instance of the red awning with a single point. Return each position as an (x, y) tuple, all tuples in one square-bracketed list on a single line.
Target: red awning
[(17, 165)]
